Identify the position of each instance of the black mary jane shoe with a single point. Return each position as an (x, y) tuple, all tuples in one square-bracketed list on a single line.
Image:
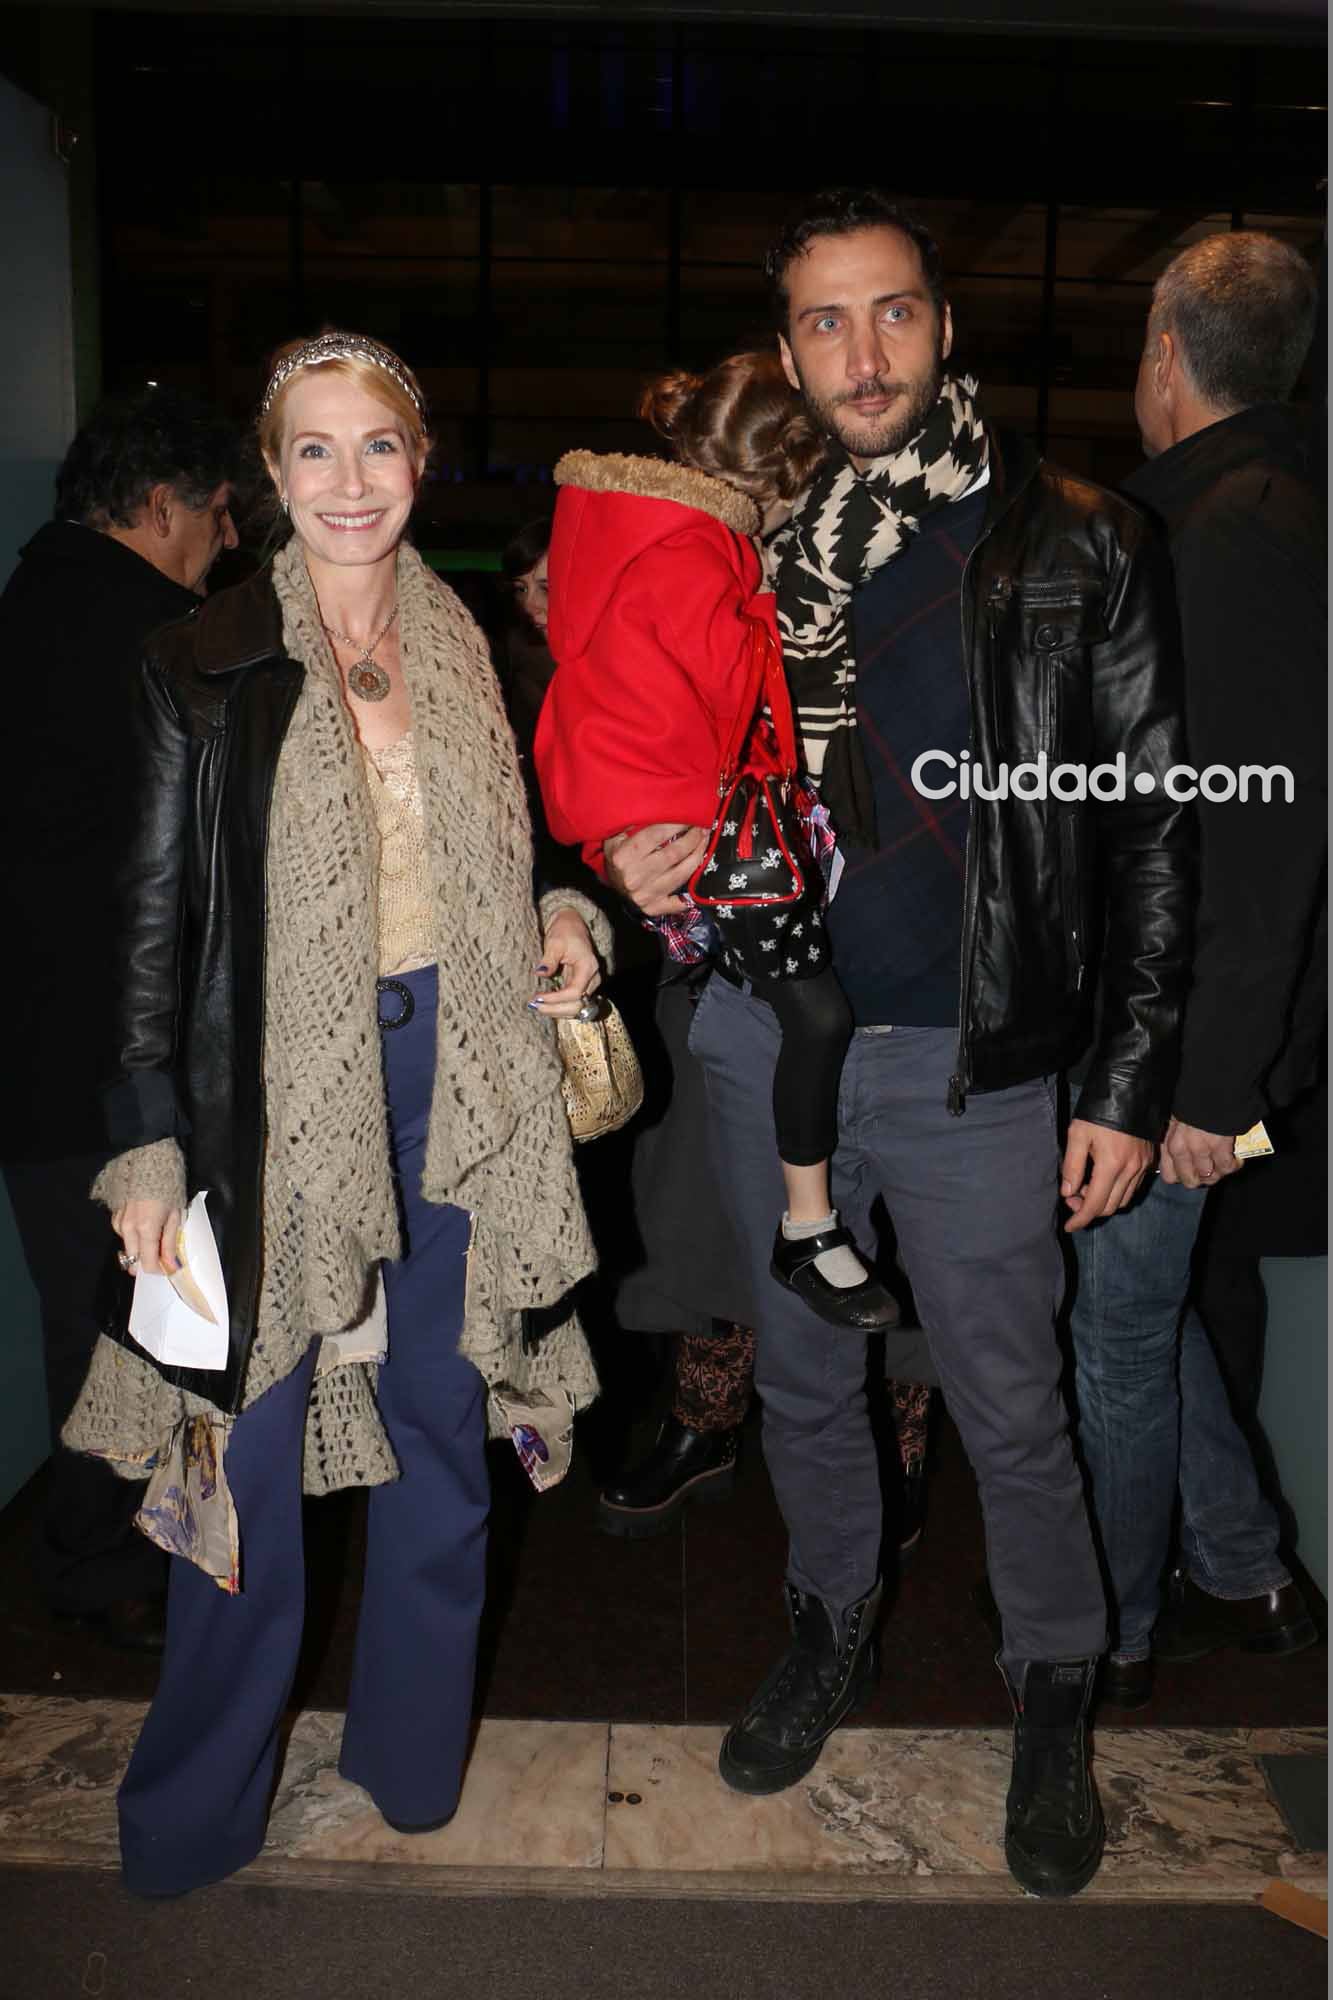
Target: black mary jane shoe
[(863, 1308)]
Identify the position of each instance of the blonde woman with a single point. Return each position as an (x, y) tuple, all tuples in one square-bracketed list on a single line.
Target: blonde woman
[(332, 1023)]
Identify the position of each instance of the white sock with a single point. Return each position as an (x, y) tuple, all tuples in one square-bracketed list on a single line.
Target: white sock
[(842, 1267)]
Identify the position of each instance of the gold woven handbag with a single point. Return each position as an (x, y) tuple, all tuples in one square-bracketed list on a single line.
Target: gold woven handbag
[(602, 1081)]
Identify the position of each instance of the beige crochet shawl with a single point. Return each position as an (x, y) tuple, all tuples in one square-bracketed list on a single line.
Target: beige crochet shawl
[(498, 1142)]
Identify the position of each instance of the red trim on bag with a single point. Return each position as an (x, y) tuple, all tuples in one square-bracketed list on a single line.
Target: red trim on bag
[(747, 786), (758, 788)]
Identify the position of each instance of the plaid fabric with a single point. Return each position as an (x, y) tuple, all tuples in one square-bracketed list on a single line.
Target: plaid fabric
[(847, 526), (688, 938)]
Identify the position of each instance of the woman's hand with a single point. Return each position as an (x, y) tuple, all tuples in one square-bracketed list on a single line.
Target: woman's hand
[(148, 1230), (567, 954)]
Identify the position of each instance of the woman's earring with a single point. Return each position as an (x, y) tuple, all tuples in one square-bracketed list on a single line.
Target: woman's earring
[(285, 504)]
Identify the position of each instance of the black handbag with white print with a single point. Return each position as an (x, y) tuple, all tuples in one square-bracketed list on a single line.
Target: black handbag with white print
[(758, 878)]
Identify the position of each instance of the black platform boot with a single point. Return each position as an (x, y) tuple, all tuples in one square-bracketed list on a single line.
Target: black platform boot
[(822, 1677), (682, 1467), (1053, 1827)]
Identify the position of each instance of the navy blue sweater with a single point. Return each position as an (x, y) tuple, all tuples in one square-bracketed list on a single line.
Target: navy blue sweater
[(896, 921)]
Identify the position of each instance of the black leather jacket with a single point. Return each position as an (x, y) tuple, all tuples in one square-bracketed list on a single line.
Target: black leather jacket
[(215, 700), (1072, 645)]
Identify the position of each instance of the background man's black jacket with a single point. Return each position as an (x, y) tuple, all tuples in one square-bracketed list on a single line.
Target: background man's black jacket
[(73, 620), (1243, 505)]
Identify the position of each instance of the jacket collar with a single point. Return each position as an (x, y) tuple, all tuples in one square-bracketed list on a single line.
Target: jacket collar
[(1014, 463), (1274, 434), (659, 479), (115, 565), (240, 627)]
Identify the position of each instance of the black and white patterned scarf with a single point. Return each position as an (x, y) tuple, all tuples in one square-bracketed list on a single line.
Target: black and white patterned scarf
[(846, 525)]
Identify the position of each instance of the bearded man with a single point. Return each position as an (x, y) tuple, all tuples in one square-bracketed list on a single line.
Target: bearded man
[(951, 605)]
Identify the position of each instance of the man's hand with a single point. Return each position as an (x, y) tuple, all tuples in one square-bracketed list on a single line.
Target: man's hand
[(650, 865), (1118, 1161), (1195, 1158)]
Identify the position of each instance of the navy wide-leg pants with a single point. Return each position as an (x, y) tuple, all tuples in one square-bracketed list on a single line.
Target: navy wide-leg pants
[(194, 1801)]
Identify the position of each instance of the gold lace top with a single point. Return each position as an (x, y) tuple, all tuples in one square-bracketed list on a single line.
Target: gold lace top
[(404, 883)]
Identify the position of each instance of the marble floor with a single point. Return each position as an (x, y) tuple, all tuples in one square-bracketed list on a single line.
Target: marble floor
[(587, 1809)]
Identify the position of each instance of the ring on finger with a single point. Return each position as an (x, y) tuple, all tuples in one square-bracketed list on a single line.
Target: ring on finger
[(127, 1259), (588, 1009)]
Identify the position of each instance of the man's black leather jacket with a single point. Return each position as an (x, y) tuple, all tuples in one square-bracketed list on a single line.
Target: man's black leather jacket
[(1072, 646)]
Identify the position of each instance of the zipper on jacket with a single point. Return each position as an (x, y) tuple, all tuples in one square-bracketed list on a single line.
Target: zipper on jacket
[(1069, 899), (956, 1100)]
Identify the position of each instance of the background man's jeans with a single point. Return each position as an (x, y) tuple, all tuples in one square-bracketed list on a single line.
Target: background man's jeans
[(972, 1201), (1153, 1414)]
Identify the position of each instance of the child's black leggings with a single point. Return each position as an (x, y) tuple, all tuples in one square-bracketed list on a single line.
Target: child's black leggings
[(816, 1024)]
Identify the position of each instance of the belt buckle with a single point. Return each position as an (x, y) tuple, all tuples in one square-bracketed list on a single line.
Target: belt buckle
[(408, 1006)]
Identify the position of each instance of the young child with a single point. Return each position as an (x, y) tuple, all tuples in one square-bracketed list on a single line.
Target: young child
[(655, 586)]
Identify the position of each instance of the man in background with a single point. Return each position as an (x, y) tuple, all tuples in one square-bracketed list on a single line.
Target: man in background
[(1233, 474), (143, 510)]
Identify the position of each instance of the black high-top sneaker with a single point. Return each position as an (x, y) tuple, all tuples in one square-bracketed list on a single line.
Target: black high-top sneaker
[(824, 1675), (1053, 1827)]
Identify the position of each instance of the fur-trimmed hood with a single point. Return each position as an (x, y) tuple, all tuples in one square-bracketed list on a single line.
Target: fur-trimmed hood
[(656, 587), (659, 479), (614, 511)]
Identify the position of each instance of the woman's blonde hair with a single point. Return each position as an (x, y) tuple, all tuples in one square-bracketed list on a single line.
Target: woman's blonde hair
[(742, 421)]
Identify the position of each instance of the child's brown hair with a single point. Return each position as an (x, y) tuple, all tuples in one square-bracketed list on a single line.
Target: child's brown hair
[(742, 421)]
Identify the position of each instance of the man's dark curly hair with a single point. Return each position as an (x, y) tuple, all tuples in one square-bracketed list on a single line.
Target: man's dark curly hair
[(132, 443), (842, 212)]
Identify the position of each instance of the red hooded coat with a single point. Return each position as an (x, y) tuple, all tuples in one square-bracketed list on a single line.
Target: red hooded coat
[(654, 582)]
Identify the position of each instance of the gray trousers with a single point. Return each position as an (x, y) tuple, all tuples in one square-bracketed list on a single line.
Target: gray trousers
[(972, 1201)]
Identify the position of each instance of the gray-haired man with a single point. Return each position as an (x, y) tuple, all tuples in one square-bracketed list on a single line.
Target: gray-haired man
[(1232, 472)]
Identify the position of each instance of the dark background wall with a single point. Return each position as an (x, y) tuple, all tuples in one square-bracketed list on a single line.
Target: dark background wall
[(539, 211)]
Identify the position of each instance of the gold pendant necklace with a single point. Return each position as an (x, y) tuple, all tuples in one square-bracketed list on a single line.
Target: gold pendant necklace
[(366, 679)]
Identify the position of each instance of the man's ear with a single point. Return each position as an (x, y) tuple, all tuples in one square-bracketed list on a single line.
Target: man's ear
[(788, 365), (1165, 367), (946, 331), (160, 513)]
